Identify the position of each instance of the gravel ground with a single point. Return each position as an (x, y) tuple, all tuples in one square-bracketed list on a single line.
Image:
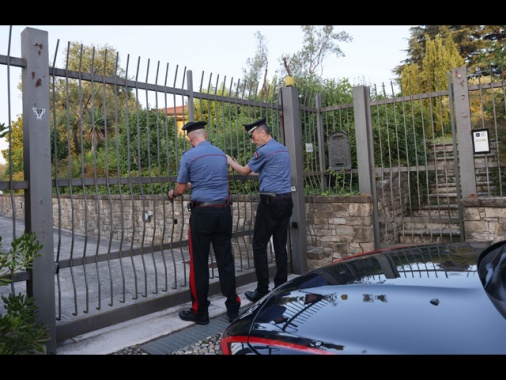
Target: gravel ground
[(208, 346)]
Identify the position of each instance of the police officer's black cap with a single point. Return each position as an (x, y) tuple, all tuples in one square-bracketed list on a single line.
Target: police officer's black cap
[(251, 127), (193, 125)]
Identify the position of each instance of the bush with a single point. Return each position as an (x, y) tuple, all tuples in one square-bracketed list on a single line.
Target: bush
[(20, 333)]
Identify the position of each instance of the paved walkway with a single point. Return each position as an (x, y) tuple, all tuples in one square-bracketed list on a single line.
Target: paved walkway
[(138, 331), (152, 327)]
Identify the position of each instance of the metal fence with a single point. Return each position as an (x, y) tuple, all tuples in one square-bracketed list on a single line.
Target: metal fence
[(114, 244), (417, 155)]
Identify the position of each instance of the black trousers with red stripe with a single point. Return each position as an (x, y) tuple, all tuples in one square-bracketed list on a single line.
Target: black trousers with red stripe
[(211, 226), (271, 220)]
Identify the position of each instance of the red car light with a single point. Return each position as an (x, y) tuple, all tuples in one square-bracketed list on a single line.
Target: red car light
[(227, 345)]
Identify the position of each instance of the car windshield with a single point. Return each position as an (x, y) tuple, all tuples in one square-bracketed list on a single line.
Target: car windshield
[(410, 265), (419, 263)]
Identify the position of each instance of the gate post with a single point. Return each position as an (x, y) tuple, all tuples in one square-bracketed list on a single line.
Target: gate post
[(293, 140), (37, 169), (366, 165), (464, 136)]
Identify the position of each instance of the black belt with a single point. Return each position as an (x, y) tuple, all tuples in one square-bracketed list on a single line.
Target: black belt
[(221, 202), (270, 198)]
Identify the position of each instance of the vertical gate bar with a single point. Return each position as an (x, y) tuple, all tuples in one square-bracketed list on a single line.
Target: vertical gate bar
[(236, 205), (497, 149), (408, 164), (117, 111), (94, 144), (484, 156), (210, 105), (387, 225), (434, 160), (83, 184), (71, 189), (321, 144), (165, 187), (496, 134), (399, 197), (57, 189), (426, 167), (309, 131), (158, 195), (445, 208), (11, 190), (149, 201), (110, 204), (389, 152), (418, 172), (128, 128), (247, 206), (172, 155), (138, 112)]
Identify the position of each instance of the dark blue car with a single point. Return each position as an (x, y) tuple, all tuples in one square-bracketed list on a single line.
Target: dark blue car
[(426, 299)]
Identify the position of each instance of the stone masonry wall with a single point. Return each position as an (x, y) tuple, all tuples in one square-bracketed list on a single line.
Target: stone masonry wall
[(337, 226), (340, 226), (484, 219)]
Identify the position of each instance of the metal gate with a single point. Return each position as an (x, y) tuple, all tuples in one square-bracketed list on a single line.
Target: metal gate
[(118, 248)]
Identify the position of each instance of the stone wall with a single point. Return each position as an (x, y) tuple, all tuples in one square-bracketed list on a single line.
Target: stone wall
[(341, 224), (138, 218), (338, 226), (484, 219)]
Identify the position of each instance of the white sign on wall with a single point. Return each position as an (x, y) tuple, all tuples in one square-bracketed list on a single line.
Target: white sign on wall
[(481, 143)]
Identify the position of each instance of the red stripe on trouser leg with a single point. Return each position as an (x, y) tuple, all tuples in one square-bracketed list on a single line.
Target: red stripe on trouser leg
[(193, 287)]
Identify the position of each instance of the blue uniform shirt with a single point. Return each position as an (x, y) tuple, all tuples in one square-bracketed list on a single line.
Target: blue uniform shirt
[(205, 166), (272, 163)]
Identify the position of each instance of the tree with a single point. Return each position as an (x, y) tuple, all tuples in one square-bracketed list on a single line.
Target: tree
[(15, 156), (256, 65), (148, 142), (479, 45), (441, 56), (306, 65), (83, 109), (94, 124), (319, 43), (492, 59)]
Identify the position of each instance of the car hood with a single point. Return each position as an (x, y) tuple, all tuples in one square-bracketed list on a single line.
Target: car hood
[(426, 300)]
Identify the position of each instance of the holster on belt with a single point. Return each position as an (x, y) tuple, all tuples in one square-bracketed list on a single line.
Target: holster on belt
[(268, 198)]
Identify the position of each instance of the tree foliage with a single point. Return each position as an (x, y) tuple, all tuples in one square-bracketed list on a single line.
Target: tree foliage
[(306, 65), (319, 43), (481, 46), (441, 56), (257, 66), (14, 152), (84, 109)]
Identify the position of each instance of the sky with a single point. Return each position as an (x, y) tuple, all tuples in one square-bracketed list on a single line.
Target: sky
[(218, 49)]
